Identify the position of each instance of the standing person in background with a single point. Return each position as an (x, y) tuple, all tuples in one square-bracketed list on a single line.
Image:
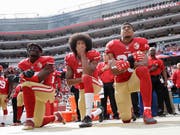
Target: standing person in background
[(81, 70), (176, 78), (126, 52), (135, 103), (15, 94), (107, 77), (4, 91), (157, 70), (37, 83), (58, 81)]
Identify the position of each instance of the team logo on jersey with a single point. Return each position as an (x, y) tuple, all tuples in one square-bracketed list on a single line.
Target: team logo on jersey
[(2, 84), (136, 46)]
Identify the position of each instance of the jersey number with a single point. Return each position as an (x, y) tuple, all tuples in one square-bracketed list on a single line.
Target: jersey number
[(2, 84)]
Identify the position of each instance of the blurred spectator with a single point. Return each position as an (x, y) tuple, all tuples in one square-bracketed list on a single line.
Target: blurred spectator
[(176, 78), (107, 77), (4, 90)]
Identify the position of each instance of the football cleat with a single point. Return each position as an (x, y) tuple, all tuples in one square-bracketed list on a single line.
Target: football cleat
[(116, 116), (28, 125), (86, 122), (60, 118), (133, 117), (16, 124), (147, 117), (2, 124)]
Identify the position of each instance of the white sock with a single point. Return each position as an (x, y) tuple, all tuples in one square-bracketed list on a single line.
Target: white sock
[(56, 118), (147, 108), (30, 119), (97, 112), (4, 118), (89, 98)]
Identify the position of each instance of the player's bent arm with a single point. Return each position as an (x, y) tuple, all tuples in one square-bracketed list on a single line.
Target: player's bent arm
[(86, 64), (69, 77), (48, 69)]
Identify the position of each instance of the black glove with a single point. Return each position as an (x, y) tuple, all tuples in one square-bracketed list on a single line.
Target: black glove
[(131, 61), (63, 75), (28, 73)]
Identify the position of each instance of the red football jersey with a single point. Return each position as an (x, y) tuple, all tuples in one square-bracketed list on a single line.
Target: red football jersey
[(121, 51), (106, 76), (4, 85), (159, 63), (176, 78), (37, 66), (76, 65)]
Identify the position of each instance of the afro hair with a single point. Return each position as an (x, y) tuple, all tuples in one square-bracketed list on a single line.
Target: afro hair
[(80, 36)]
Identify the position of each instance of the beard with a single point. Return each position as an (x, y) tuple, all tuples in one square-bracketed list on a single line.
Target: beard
[(33, 57), (127, 37)]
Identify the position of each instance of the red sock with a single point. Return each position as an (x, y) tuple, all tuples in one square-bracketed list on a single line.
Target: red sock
[(145, 85), (48, 119), (29, 101), (88, 84), (19, 112), (5, 112)]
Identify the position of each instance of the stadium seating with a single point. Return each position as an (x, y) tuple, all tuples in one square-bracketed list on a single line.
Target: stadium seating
[(156, 20)]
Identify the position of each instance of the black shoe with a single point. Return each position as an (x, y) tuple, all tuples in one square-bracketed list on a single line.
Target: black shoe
[(162, 115), (2, 124), (160, 112), (106, 118), (170, 112), (101, 115), (86, 122), (77, 120), (116, 116), (133, 117)]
